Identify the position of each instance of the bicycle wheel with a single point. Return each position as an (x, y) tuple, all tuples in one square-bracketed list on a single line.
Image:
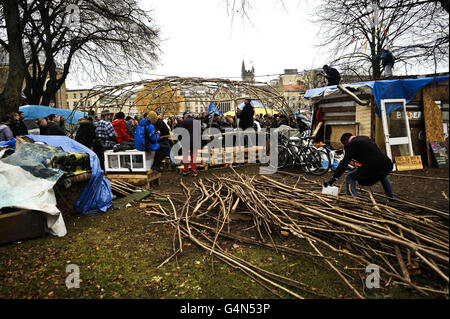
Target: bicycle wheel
[(318, 161), (283, 157)]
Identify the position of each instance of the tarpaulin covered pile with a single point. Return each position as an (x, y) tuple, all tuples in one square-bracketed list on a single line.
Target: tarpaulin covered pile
[(27, 178), (384, 89), (34, 112)]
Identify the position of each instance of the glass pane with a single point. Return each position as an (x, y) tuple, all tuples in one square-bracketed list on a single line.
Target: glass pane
[(138, 161), (400, 150), (125, 161), (397, 123), (113, 161)]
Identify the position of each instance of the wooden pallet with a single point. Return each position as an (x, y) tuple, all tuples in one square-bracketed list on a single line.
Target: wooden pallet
[(229, 155), (224, 158), (148, 178)]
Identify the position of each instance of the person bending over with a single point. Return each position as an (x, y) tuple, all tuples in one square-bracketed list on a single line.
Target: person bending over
[(375, 166)]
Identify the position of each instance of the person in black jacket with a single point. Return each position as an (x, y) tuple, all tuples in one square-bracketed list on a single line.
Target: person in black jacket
[(86, 133), (188, 124), (375, 166), (332, 75), (246, 116), (23, 130), (164, 131), (53, 127), (387, 60), (43, 128)]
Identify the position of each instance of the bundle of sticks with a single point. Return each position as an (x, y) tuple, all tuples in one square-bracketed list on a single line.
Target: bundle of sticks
[(121, 187), (398, 237)]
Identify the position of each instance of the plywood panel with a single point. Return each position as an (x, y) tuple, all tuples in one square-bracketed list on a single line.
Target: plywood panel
[(434, 130), (338, 130), (363, 116)]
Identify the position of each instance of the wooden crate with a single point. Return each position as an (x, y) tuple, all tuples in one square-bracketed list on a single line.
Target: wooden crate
[(145, 179), (21, 225)]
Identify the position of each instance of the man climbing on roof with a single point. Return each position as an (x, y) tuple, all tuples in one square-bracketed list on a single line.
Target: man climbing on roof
[(387, 60), (375, 166), (332, 75)]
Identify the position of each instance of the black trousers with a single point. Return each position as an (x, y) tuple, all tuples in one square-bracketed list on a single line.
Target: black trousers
[(161, 153)]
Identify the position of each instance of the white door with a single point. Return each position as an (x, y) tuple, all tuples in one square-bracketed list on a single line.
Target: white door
[(396, 131)]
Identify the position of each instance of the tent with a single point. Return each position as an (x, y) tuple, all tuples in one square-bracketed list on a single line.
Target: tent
[(34, 112)]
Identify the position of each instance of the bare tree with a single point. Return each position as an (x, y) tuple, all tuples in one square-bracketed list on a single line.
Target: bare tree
[(99, 38), (358, 31), (414, 3), (12, 26)]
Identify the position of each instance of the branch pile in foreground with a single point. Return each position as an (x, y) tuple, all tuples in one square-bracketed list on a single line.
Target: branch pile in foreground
[(399, 237)]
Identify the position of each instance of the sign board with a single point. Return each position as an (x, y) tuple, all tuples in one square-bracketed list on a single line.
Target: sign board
[(408, 163), (440, 154)]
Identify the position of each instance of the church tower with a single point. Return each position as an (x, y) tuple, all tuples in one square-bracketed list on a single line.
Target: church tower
[(247, 75)]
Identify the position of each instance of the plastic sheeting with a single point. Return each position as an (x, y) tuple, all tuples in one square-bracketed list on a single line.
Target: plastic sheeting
[(34, 112), (11, 143), (385, 89), (97, 195), (22, 189)]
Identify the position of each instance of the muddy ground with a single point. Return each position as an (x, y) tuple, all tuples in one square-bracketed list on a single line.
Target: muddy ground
[(120, 252)]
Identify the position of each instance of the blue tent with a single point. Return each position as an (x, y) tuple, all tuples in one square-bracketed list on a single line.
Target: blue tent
[(385, 89), (34, 112)]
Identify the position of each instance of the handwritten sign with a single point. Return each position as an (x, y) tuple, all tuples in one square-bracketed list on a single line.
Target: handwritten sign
[(408, 163), (440, 154)]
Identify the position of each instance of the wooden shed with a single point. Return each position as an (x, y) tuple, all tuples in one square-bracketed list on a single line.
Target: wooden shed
[(416, 110)]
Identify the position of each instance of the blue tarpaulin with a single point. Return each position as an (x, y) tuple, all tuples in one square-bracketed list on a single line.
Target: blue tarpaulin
[(212, 109), (34, 112), (385, 89), (11, 143), (97, 195)]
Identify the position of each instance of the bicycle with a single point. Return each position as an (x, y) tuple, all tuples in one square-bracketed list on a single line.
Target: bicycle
[(298, 151)]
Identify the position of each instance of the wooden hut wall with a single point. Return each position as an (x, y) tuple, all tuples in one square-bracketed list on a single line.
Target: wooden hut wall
[(343, 115)]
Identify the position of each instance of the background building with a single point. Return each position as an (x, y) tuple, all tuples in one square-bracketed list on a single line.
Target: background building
[(60, 98)]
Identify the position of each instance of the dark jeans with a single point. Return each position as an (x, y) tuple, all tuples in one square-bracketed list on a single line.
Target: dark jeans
[(164, 150), (354, 176), (167, 143)]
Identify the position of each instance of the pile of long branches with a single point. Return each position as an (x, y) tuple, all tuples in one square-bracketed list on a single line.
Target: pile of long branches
[(401, 238)]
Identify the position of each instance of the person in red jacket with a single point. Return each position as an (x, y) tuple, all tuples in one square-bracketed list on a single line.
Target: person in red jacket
[(120, 127)]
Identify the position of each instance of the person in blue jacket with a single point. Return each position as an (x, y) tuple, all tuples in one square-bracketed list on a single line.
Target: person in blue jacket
[(146, 139)]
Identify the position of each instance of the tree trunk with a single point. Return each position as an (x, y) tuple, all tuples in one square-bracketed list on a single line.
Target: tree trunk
[(10, 98)]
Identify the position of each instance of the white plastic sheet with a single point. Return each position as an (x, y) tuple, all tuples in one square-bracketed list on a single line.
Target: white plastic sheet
[(20, 189)]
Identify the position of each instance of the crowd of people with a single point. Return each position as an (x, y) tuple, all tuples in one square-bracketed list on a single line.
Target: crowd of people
[(148, 132), (151, 133)]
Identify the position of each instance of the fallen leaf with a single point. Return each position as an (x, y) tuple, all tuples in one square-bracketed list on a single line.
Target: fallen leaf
[(284, 233)]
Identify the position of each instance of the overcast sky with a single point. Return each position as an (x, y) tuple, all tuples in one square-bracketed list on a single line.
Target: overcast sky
[(201, 39)]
